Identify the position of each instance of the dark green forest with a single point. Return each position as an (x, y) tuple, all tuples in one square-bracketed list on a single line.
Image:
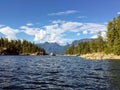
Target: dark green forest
[(17, 47), (109, 45)]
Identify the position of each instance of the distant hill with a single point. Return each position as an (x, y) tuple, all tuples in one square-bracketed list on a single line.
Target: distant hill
[(58, 49), (53, 47), (76, 42)]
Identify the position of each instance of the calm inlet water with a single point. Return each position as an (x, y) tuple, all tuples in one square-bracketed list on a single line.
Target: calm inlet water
[(58, 73)]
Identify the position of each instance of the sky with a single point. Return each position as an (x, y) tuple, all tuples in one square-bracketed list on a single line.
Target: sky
[(60, 21)]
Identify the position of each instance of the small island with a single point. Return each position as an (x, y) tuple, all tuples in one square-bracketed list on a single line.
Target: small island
[(101, 48), (18, 47)]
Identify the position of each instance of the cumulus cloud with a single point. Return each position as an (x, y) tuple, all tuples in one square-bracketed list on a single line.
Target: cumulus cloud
[(30, 31), (52, 33), (9, 32), (56, 31), (41, 35), (85, 32), (64, 13), (71, 26), (93, 28)]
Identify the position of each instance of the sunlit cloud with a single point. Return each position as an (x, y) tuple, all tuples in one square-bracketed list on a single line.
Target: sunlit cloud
[(9, 32), (57, 31), (64, 13)]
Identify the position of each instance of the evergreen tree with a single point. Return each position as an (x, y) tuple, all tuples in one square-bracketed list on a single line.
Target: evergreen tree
[(100, 43), (113, 36), (70, 50), (19, 47), (111, 45)]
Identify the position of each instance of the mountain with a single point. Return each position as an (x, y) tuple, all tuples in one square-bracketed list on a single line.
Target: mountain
[(53, 47), (76, 42), (58, 49)]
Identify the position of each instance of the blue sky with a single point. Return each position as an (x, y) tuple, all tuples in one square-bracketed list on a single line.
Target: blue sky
[(58, 21)]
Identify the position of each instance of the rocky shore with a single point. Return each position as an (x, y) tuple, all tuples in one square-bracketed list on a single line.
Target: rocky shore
[(99, 56)]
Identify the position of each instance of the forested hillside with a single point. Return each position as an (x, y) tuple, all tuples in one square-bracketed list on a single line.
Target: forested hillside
[(111, 44), (16, 47), (113, 36)]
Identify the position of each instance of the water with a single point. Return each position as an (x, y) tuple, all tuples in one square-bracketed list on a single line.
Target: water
[(58, 73)]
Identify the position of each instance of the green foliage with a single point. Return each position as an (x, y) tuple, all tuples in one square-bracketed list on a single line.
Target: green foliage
[(111, 45), (70, 50), (93, 46), (113, 36), (87, 47), (100, 43), (20, 47), (116, 49)]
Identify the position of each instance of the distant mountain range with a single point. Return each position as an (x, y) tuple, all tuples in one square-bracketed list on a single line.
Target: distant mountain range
[(53, 48), (76, 42), (58, 49)]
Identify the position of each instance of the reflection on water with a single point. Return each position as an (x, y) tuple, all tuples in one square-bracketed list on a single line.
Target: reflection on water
[(58, 73)]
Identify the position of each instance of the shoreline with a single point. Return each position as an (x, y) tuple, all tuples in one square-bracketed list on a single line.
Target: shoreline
[(99, 56)]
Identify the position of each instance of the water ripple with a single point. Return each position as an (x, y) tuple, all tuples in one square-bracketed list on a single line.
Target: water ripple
[(58, 73)]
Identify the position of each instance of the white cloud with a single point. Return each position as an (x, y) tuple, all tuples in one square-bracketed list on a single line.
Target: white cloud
[(56, 31), (94, 36), (85, 32), (118, 13), (29, 31), (64, 12), (58, 22), (71, 26), (103, 34), (29, 24), (52, 33), (9, 32), (40, 35), (82, 17), (93, 28)]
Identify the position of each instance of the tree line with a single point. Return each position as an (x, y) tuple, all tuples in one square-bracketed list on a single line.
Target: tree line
[(109, 45), (19, 47)]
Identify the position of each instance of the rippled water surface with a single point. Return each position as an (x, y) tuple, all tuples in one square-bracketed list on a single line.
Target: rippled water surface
[(58, 73)]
